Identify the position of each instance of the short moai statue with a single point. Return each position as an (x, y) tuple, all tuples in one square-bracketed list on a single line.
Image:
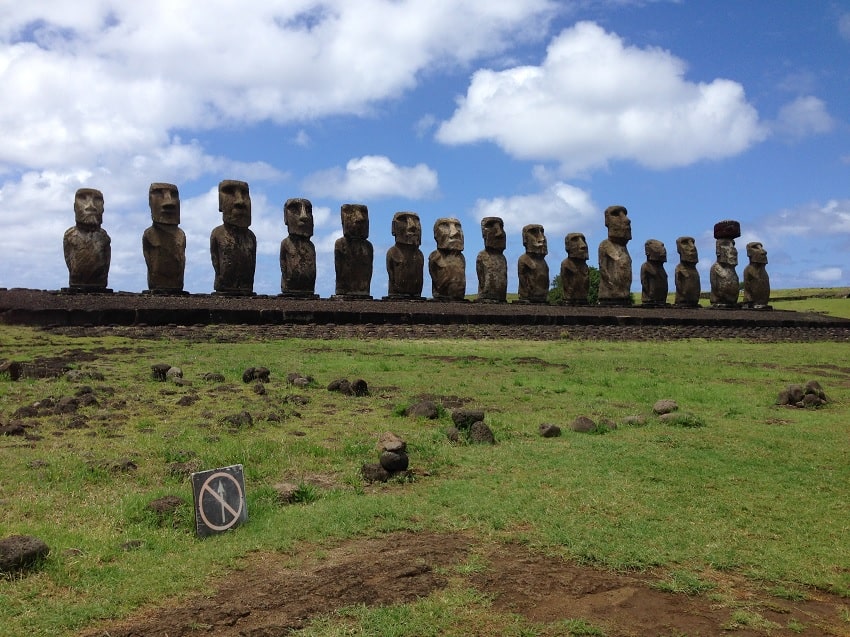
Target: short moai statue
[(575, 274), (353, 254), (686, 274), (297, 252), (233, 246), (405, 261), (653, 276), (532, 268), (87, 246), (446, 264), (164, 243), (491, 266), (615, 263), (756, 279)]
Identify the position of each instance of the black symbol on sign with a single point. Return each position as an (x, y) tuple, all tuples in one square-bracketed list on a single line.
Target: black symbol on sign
[(221, 501)]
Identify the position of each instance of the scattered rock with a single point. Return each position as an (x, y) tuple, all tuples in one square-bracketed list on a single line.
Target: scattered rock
[(296, 399), (583, 424), (482, 434), (394, 461), (453, 433), (810, 396), (340, 385), (548, 430), (79, 375), (174, 373), (374, 472), (213, 377), (67, 405), (464, 418), (665, 406), (635, 421), (159, 371), (184, 469), (390, 442), (188, 399), (14, 428), (239, 420), (425, 409), (256, 373), (12, 369), (26, 411), (360, 388), (299, 380), (286, 492), (165, 505), (19, 552), (260, 389), (608, 424)]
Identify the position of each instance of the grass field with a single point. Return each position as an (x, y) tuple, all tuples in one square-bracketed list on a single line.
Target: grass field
[(746, 487)]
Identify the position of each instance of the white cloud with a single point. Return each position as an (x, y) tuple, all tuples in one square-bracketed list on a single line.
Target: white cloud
[(828, 276), (373, 177), (560, 208), (803, 117), (594, 99), (844, 26)]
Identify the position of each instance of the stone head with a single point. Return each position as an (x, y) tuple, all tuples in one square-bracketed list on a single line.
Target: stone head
[(687, 249), (164, 200), (655, 251), (355, 220), (493, 231), (407, 229), (534, 240), (576, 246), (298, 217), (234, 202), (88, 207), (756, 252), (726, 251), (618, 223), (448, 234)]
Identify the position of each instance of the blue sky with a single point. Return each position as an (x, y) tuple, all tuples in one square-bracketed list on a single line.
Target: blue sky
[(539, 111)]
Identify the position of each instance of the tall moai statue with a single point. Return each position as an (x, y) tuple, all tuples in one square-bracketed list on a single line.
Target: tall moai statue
[(653, 276), (756, 279), (532, 268), (164, 243), (615, 263), (353, 254), (725, 285), (233, 246), (297, 252), (405, 261), (87, 246), (446, 264), (686, 275), (575, 275), (491, 266)]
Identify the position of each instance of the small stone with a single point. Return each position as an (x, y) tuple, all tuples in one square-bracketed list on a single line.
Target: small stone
[(811, 401), (665, 406), (165, 505), (453, 433), (259, 389), (159, 371), (635, 421), (548, 430), (241, 419), (188, 399), (19, 552), (302, 383), (795, 393), (425, 409), (374, 472), (481, 433), (464, 418), (583, 424), (360, 388), (784, 398), (174, 372), (391, 442), (286, 492), (394, 461), (608, 424), (213, 377), (813, 387), (340, 385)]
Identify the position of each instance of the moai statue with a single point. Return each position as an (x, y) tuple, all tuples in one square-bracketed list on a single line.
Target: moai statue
[(615, 263), (405, 261), (575, 275), (446, 264), (653, 277), (353, 254), (297, 252), (686, 274), (756, 280), (491, 264), (725, 284), (532, 268), (164, 243), (233, 247), (87, 246)]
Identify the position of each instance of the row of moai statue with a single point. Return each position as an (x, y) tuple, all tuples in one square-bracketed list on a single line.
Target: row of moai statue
[(233, 250)]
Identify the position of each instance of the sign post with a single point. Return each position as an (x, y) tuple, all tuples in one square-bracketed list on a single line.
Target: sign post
[(219, 496)]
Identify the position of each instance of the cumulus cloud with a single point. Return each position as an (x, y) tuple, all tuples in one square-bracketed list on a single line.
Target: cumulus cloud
[(595, 99), (373, 177), (560, 208), (803, 117)]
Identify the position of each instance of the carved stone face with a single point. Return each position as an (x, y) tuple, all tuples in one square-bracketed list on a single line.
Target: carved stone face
[(355, 220), (164, 201), (88, 207), (534, 240), (618, 223), (576, 246), (756, 252), (234, 202), (687, 249), (726, 251), (298, 217), (493, 231), (448, 234), (407, 228), (655, 251)]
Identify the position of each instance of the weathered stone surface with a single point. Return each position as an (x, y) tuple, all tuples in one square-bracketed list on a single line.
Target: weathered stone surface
[(159, 371), (341, 385), (814, 387), (354, 254), (394, 461), (548, 430), (425, 409), (19, 552), (405, 261), (233, 246), (453, 433), (687, 279), (725, 285), (446, 264), (374, 472), (213, 377), (463, 418), (286, 492), (480, 433), (491, 265), (653, 277), (260, 374), (615, 263), (388, 441), (727, 229), (164, 243), (297, 252), (532, 267), (810, 401), (583, 424), (756, 279), (360, 388), (174, 373), (242, 419), (87, 246), (166, 505), (665, 406), (575, 274)]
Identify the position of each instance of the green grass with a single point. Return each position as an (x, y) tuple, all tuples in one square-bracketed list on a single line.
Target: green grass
[(739, 484)]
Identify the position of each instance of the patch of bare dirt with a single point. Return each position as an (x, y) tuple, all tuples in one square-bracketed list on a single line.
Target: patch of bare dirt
[(273, 594)]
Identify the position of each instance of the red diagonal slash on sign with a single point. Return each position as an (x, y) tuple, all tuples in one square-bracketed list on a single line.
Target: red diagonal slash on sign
[(218, 495)]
